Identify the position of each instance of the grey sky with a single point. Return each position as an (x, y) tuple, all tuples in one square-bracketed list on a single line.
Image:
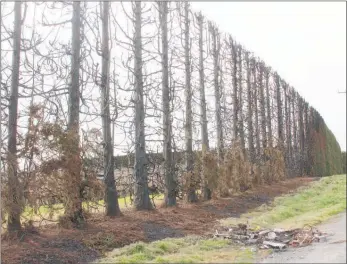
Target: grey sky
[(304, 42)]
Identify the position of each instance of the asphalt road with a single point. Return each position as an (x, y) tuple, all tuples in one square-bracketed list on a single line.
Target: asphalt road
[(331, 251)]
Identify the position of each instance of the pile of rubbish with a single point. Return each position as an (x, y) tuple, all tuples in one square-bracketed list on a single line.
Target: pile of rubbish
[(276, 238)]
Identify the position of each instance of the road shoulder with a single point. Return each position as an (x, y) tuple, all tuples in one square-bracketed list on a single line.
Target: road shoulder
[(333, 250)]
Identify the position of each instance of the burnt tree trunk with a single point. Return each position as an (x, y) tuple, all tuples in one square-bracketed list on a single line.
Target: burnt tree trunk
[(256, 109), (235, 94), (250, 110), (73, 205), (170, 183), (301, 134), (268, 108), (240, 102), (191, 195), (279, 112), (142, 200), (262, 106), (285, 124), (307, 137), (111, 199), (215, 54), (203, 118), (295, 131), (289, 132), (15, 195)]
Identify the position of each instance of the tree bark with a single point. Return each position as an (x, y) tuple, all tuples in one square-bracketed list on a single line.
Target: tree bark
[(250, 110), (141, 192), (256, 110), (235, 94), (73, 206), (15, 195), (285, 128), (191, 195), (215, 54), (289, 131), (279, 111), (268, 108), (203, 118), (262, 106), (307, 143), (295, 131), (111, 197), (306, 140), (285, 88), (240, 98), (170, 183), (301, 134)]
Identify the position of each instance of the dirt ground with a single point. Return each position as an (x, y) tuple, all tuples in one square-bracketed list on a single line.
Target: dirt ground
[(53, 245)]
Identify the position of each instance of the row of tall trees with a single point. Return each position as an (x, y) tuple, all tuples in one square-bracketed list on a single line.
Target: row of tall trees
[(169, 81)]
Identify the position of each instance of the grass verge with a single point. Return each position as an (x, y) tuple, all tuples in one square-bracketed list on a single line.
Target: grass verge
[(309, 205), (190, 249)]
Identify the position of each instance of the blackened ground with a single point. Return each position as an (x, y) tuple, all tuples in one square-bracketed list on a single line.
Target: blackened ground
[(61, 246), (154, 231)]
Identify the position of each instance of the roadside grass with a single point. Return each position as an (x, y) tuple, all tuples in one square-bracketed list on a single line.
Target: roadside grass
[(312, 204), (308, 206), (191, 249)]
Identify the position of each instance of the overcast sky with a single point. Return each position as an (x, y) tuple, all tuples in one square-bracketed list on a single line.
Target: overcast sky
[(304, 42)]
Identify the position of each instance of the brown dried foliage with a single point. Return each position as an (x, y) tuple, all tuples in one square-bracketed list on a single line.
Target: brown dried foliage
[(273, 169), (237, 174), (49, 156)]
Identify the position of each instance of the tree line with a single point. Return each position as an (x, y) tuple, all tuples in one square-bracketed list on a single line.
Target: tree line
[(81, 81)]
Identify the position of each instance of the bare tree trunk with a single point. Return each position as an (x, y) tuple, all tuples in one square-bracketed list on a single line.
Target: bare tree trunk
[(250, 110), (279, 111), (170, 183), (262, 106), (73, 206), (15, 195), (285, 88), (240, 102), (310, 143), (191, 195), (235, 94), (307, 136), (215, 53), (111, 197), (256, 113), (285, 128), (289, 132), (301, 134), (203, 118), (142, 199), (295, 131), (268, 107)]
